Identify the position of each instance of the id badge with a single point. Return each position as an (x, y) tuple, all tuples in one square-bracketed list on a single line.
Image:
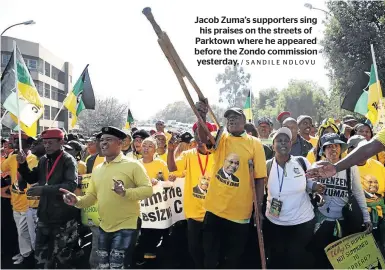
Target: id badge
[(275, 207)]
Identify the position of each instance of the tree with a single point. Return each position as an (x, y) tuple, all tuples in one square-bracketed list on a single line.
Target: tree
[(235, 86), (178, 111), (265, 105), (181, 112), (108, 112), (304, 97), (299, 97), (348, 35)]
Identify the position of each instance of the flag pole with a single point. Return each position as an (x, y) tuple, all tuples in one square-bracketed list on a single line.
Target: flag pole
[(375, 68), (379, 93), (17, 92), (4, 114), (61, 108)]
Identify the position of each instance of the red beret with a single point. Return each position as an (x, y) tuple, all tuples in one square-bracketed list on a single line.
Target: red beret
[(209, 126), (282, 114), (53, 133)]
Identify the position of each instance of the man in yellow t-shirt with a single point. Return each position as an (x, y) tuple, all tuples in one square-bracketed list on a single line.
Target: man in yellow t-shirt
[(197, 164), (229, 201), (118, 185), (19, 201)]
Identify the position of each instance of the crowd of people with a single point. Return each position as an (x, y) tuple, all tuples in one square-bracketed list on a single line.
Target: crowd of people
[(304, 176)]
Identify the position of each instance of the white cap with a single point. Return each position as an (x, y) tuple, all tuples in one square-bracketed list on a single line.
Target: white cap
[(283, 130)]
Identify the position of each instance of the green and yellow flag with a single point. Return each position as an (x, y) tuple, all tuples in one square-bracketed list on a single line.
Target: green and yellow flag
[(129, 120), (374, 97), (247, 108), (27, 98), (82, 96)]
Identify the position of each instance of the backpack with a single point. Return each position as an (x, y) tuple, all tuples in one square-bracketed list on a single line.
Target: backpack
[(314, 200)]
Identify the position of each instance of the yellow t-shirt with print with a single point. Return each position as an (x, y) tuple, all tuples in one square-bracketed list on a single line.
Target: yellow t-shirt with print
[(230, 195), (372, 176), (89, 215), (154, 167), (195, 186), (19, 200)]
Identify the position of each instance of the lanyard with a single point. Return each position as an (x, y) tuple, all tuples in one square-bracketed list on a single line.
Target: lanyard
[(203, 171), (283, 177), (53, 167)]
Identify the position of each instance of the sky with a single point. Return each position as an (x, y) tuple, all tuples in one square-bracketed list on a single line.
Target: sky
[(121, 48)]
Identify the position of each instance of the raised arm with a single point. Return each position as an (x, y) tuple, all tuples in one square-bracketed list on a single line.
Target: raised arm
[(30, 176)]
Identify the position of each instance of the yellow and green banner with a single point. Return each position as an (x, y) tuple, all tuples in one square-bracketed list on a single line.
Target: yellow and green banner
[(27, 98)]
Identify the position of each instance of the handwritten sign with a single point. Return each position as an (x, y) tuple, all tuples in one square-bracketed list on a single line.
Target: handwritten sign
[(357, 251)]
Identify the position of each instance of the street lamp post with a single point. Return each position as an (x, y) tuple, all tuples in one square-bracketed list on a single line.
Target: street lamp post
[(2, 33)]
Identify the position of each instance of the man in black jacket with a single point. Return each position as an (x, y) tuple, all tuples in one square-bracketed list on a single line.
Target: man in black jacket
[(300, 147), (56, 234)]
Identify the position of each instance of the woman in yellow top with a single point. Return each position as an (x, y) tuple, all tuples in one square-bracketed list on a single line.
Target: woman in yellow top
[(157, 171)]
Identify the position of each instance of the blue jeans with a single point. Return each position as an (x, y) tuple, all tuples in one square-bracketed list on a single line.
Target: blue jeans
[(112, 247)]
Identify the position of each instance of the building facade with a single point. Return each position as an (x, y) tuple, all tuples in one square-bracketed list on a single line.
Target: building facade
[(52, 77)]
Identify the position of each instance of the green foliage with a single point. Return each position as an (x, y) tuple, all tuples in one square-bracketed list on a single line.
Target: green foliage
[(235, 86), (299, 97), (181, 112), (348, 35)]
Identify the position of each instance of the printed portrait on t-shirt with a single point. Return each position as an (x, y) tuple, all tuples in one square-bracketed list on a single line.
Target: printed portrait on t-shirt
[(230, 167), (200, 190), (370, 184)]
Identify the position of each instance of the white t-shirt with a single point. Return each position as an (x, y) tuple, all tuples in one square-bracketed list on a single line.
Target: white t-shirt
[(296, 207)]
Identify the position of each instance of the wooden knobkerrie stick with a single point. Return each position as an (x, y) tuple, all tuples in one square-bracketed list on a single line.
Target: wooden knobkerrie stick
[(181, 71)]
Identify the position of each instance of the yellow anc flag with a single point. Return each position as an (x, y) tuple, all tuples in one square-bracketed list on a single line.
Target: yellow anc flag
[(130, 119), (374, 97), (247, 108), (25, 103)]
